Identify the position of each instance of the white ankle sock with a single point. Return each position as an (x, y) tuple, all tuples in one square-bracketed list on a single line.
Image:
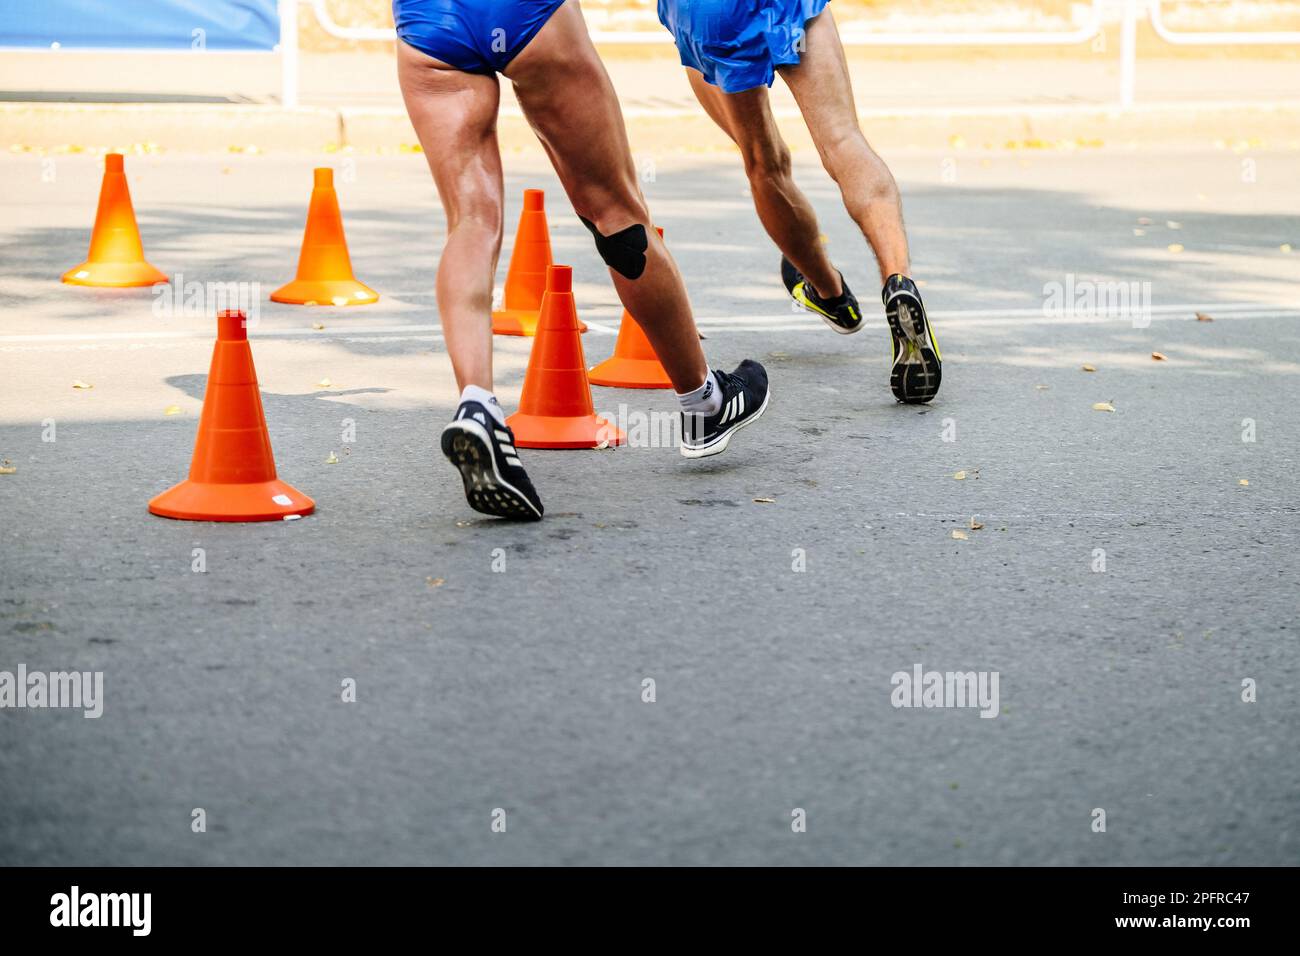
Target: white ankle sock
[(705, 400), (485, 398)]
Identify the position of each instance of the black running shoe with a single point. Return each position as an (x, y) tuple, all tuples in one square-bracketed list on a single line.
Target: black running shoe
[(917, 365), (484, 451), (840, 313), (744, 398)]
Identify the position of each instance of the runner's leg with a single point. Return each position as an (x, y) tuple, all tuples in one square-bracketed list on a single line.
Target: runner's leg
[(821, 87), (784, 210)]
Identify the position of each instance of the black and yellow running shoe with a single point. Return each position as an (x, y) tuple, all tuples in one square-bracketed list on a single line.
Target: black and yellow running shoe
[(840, 313), (917, 367)]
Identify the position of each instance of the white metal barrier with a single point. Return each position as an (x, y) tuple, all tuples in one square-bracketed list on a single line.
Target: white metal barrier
[(1130, 12)]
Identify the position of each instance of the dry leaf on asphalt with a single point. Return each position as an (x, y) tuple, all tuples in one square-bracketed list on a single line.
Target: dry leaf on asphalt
[(975, 525), (435, 582), (960, 535), (764, 501), (960, 476), (332, 459), (80, 384), (1103, 407), (1202, 317), (1285, 247), (324, 383), (1243, 482), (8, 470), (1158, 356), (1173, 225), (1175, 247), (1089, 368), (317, 326), (172, 410)]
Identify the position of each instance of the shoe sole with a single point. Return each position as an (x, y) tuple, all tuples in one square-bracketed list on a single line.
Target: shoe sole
[(466, 444), (917, 369), (719, 445)]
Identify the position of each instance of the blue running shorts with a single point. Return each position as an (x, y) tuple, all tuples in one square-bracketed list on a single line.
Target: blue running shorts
[(738, 44), (474, 36)]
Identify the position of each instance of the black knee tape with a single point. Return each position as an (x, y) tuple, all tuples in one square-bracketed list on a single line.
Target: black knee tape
[(624, 252)]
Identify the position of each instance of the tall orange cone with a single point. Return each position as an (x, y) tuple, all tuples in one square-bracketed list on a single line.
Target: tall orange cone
[(116, 258), (232, 476), (634, 363), (324, 266), (526, 278), (555, 410)]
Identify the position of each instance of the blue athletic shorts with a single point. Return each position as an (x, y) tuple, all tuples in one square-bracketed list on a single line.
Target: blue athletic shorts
[(738, 44), (475, 36)]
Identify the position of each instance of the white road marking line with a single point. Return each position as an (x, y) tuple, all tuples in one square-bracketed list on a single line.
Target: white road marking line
[(357, 332)]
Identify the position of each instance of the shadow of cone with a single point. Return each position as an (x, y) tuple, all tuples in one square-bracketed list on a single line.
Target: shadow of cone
[(116, 257), (634, 363), (232, 476), (324, 266), (555, 409), (526, 278)]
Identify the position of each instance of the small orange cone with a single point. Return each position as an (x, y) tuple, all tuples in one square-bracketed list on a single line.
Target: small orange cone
[(555, 410), (526, 278), (634, 363), (116, 258), (232, 476), (324, 266)]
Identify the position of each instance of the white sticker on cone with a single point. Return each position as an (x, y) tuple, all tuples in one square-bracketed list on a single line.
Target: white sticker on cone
[(282, 500)]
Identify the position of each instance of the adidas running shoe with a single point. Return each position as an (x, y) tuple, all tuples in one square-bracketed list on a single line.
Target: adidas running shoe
[(744, 398), (484, 451)]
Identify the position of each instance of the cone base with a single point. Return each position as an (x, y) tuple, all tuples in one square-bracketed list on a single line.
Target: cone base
[(114, 275), (520, 322), (620, 372), (550, 431), (325, 292), (200, 501)]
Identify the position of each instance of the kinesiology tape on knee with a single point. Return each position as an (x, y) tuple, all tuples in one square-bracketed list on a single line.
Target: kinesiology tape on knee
[(624, 252)]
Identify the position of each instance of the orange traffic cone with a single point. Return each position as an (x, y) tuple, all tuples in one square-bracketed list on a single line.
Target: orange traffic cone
[(324, 266), (555, 410), (232, 476), (116, 258), (526, 278), (634, 363)]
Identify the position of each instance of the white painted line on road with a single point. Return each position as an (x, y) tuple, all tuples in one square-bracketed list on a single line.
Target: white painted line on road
[(357, 332)]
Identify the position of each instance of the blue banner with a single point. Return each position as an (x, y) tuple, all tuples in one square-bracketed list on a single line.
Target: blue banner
[(140, 24)]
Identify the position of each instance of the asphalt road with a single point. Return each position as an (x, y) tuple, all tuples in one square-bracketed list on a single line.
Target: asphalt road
[(522, 690)]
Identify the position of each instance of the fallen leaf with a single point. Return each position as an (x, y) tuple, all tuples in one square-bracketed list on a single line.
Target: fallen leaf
[(332, 459), (6, 470), (975, 525), (324, 383), (1158, 356), (960, 535), (1173, 225), (764, 501), (1175, 247), (317, 326), (80, 384), (435, 582), (1243, 482), (960, 476), (1285, 247), (1103, 407), (1202, 317), (1089, 368), (1042, 388)]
